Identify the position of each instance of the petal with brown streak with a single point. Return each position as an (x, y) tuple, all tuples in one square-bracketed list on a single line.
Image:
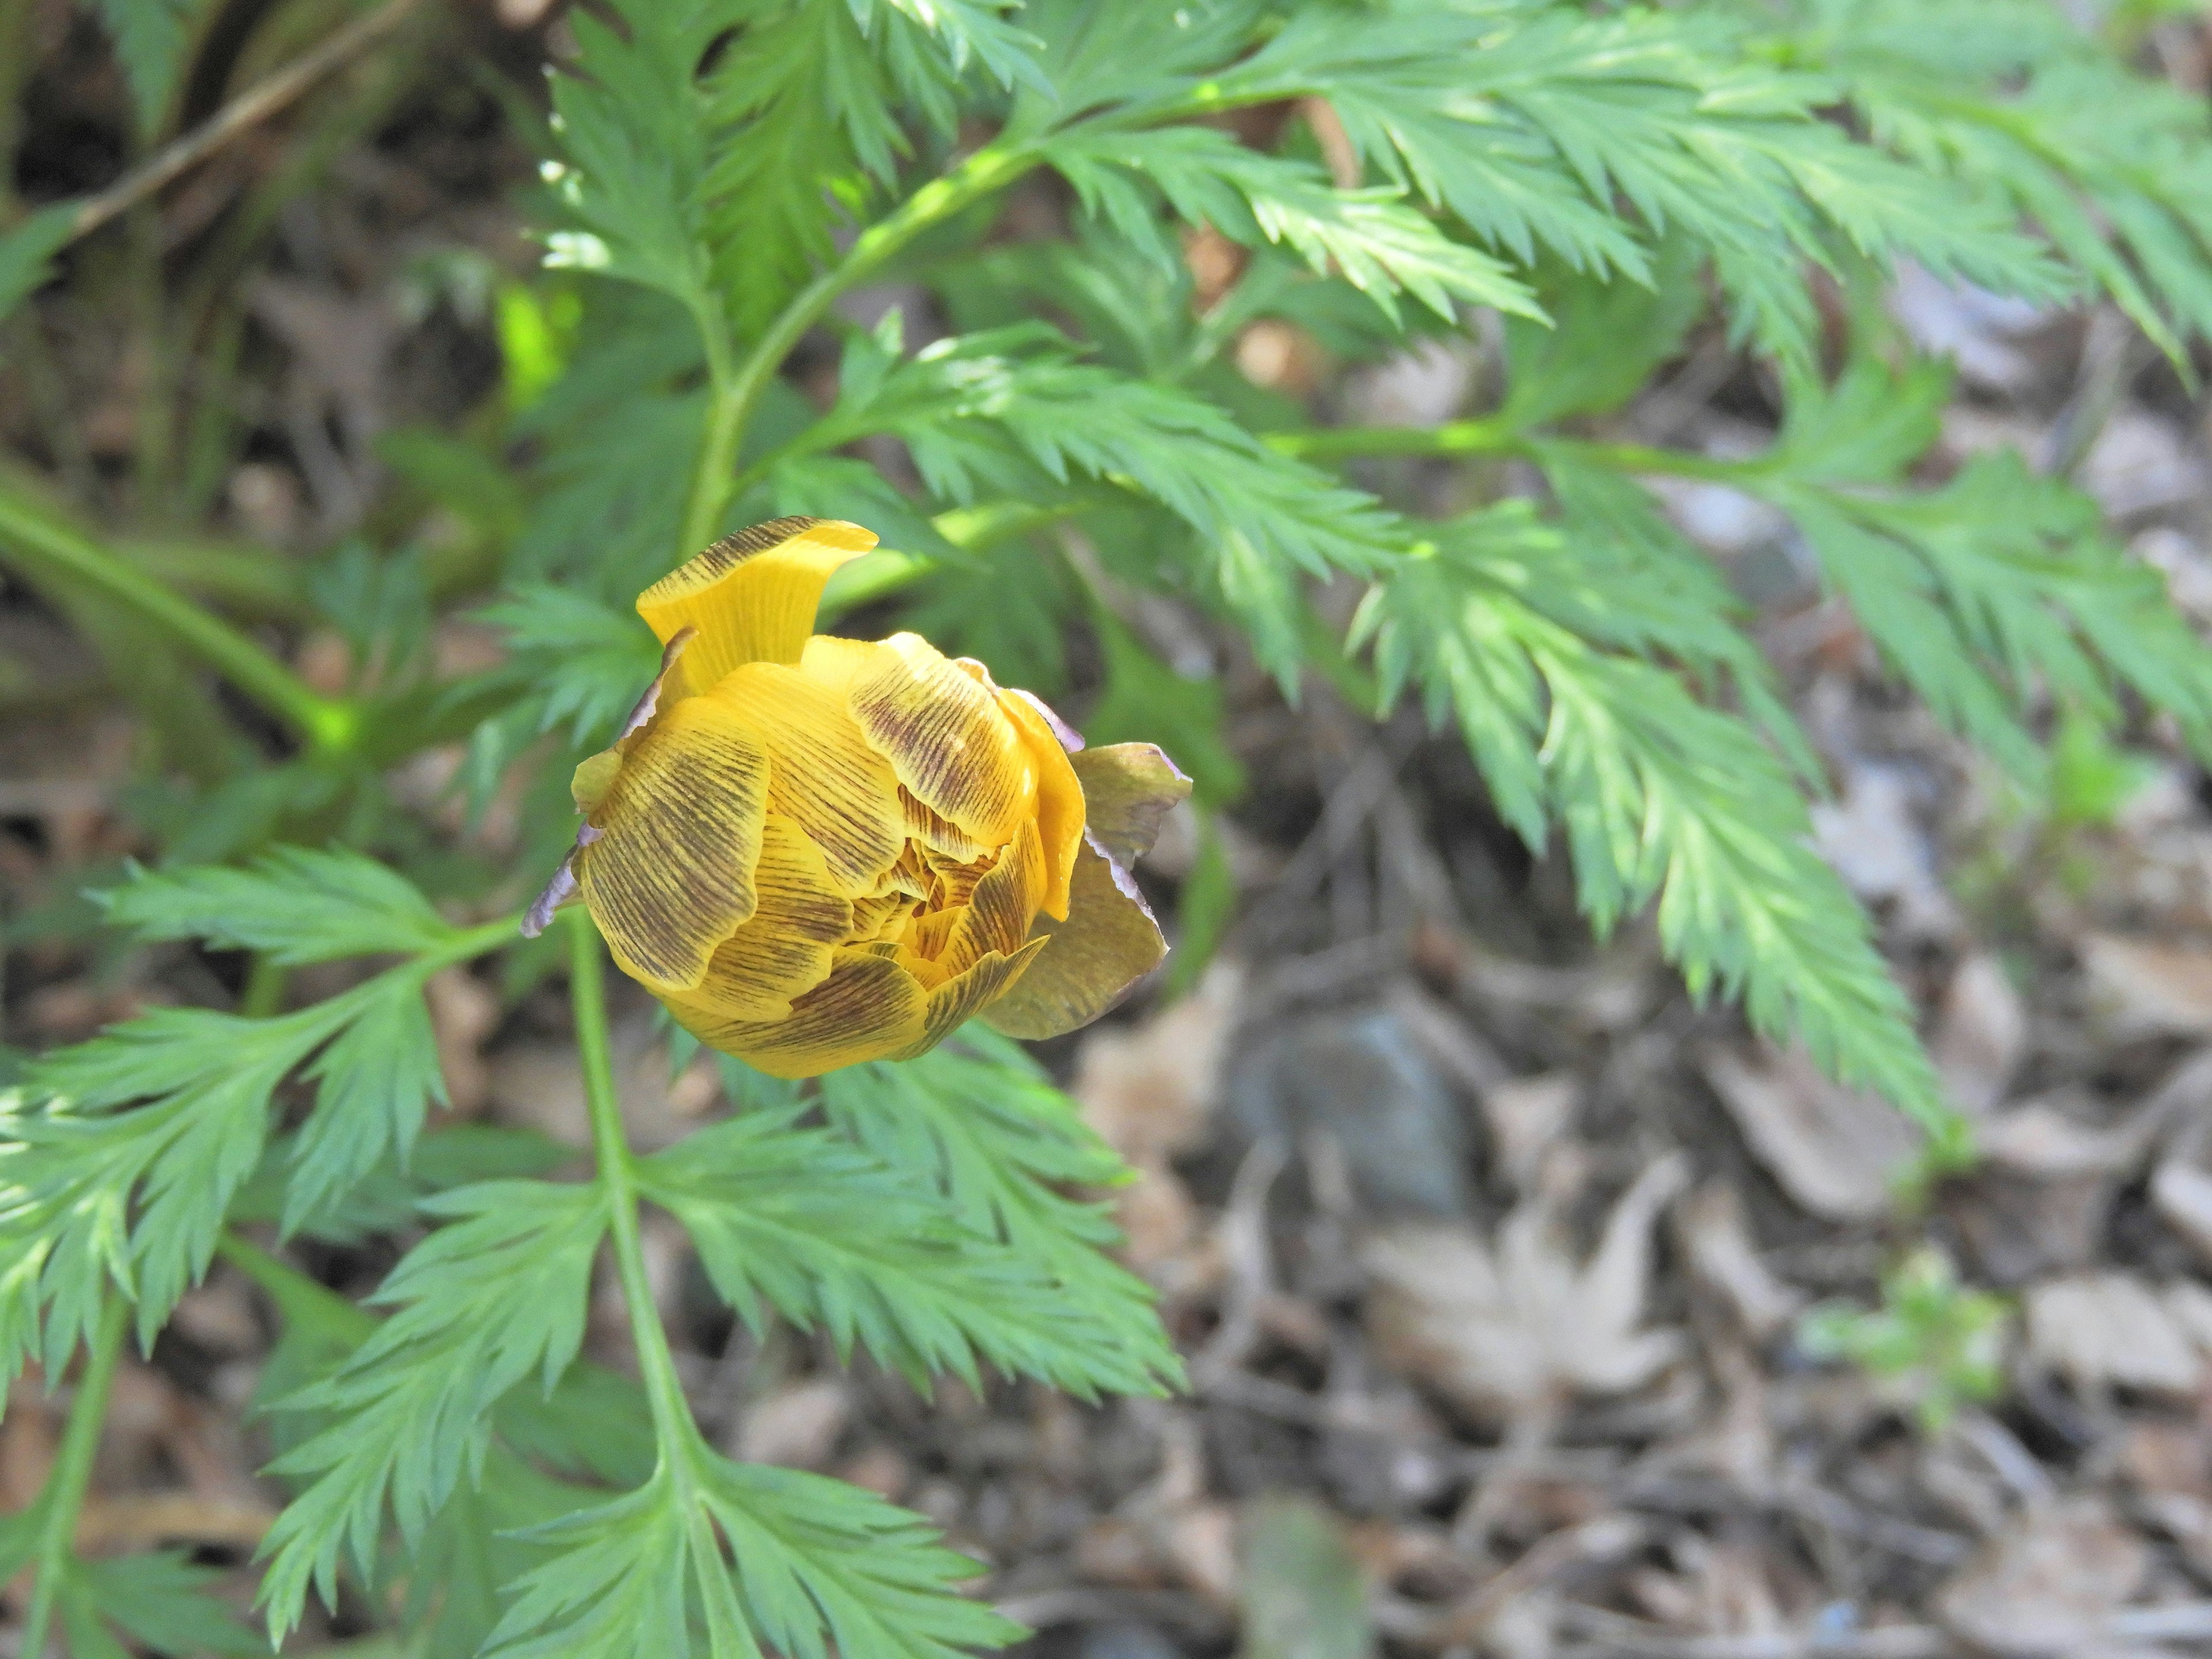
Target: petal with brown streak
[(1060, 798), (825, 776), (961, 998), (943, 733), (869, 1008), (1003, 905), (668, 862), (785, 951)]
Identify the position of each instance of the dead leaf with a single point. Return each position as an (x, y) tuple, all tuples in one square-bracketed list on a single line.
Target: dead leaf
[(1971, 326), (1150, 1089), (537, 1085), (796, 1426), (1727, 1262), (464, 1013), (1872, 835), (2182, 1193), (2139, 988), (1528, 1115), (2141, 462), (2103, 1330), (2043, 1138), (1834, 1149), (1981, 1033), (1508, 1329), (2046, 1589), (142, 1520)]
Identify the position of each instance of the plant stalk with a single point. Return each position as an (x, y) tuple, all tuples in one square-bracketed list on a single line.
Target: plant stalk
[(42, 544), (256, 104), (64, 1495), (737, 391), (1496, 437), (674, 1429)]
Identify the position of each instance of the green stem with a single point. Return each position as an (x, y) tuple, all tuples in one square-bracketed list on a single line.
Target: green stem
[(737, 393), (1494, 437), (263, 993), (63, 1497), (44, 545), (296, 1296), (674, 1429)]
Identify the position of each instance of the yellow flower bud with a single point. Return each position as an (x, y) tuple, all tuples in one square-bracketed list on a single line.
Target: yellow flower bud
[(818, 851)]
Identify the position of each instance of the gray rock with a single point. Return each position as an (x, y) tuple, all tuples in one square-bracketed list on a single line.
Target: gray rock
[(1362, 1080)]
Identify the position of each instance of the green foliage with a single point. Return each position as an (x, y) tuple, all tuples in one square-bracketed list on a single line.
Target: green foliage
[(151, 37), (769, 1558), (1073, 446), (492, 1299), (159, 1598), (833, 1238), (1934, 1344)]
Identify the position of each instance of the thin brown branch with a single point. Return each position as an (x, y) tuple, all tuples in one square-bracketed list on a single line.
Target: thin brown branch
[(250, 108)]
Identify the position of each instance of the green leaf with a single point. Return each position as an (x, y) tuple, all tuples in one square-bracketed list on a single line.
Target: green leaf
[(592, 661), (293, 905), (150, 38), (836, 1240), (1532, 124), (388, 1196), (1660, 798), (770, 1558), (484, 1303), (374, 1083), (979, 1117), (26, 252), (1606, 336), (2039, 119), (1375, 241), (159, 1599), (1010, 413), (88, 1194)]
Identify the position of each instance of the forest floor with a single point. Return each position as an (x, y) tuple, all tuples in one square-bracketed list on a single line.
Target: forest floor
[(1511, 1280)]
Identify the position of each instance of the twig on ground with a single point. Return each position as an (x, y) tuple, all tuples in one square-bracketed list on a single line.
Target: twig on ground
[(250, 108)]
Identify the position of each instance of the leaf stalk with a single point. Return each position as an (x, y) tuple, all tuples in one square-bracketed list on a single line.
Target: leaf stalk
[(674, 1432), (737, 390), (63, 1497)]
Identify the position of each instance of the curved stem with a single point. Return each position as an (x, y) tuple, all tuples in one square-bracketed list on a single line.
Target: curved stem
[(1497, 437), (41, 543), (737, 393), (64, 1494), (674, 1429)]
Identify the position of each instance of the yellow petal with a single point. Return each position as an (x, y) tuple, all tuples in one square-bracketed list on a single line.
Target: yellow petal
[(1109, 941), (1127, 788), (999, 912), (752, 596), (825, 775), (869, 1008), (837, 662), (589, 784), (944, 737), (1060, 804), (785, 951), (961, 998), (943, 837), (667, 859), (881, 916)]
